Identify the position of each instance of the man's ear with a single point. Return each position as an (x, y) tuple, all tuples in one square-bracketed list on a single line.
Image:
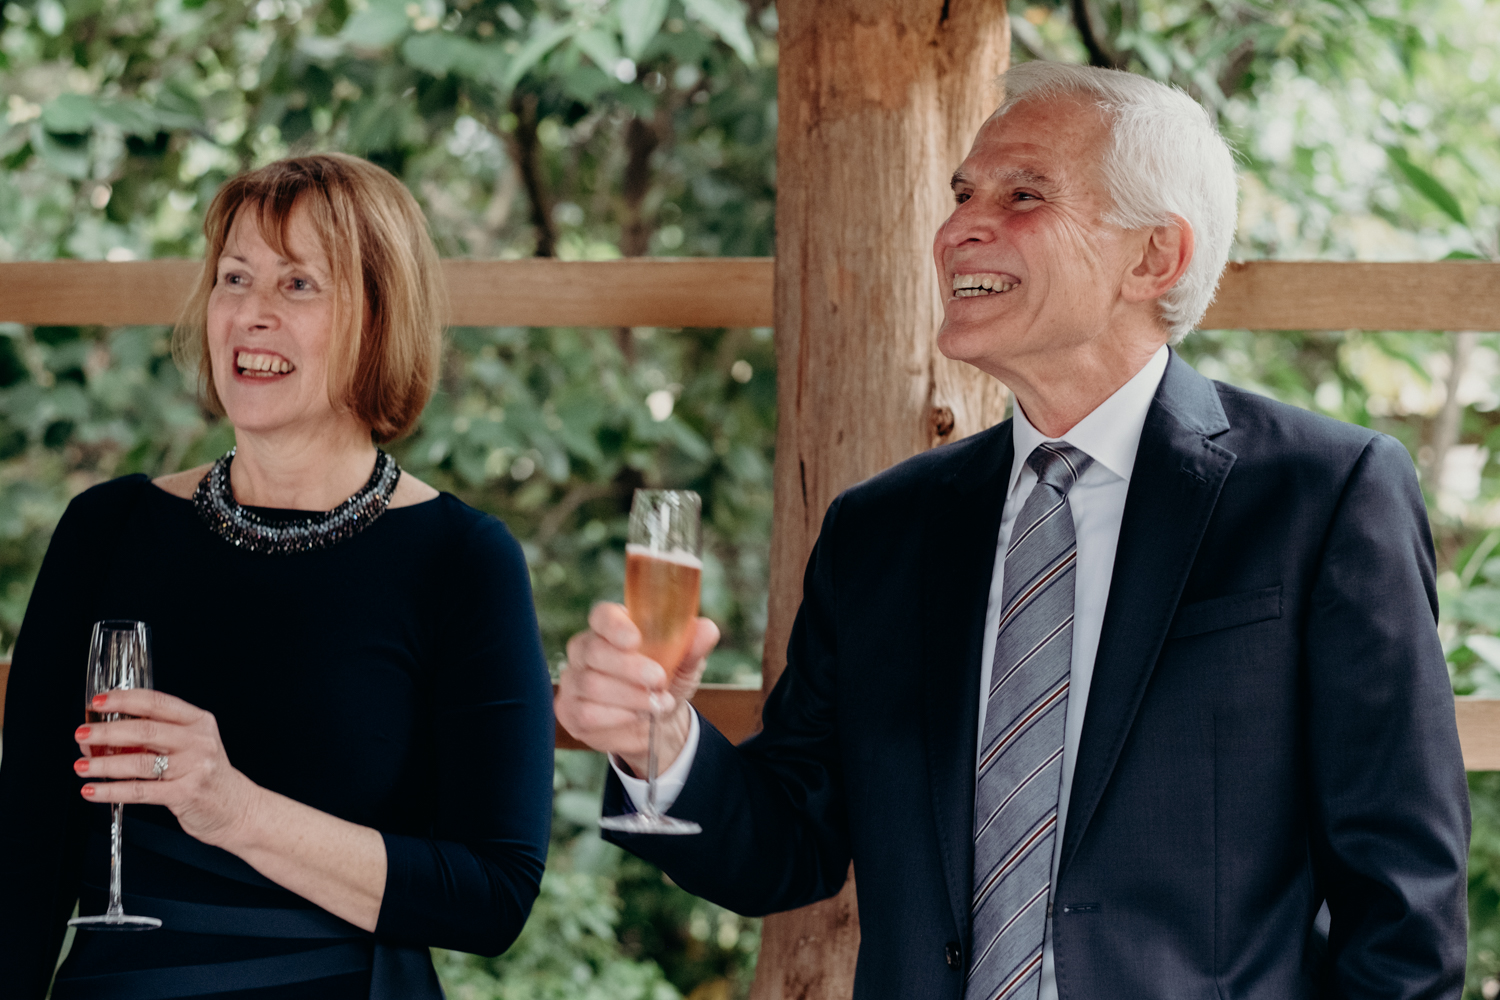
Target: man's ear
[(1164, 257)]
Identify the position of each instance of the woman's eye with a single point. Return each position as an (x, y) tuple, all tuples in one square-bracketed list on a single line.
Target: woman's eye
[(301, 285)]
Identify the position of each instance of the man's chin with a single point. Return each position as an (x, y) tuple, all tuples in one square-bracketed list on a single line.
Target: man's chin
[(966, 342)]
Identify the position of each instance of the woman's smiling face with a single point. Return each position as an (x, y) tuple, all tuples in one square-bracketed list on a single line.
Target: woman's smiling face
[(270, 327)]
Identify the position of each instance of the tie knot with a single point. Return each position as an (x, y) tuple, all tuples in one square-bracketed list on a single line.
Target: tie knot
[(1058, 465)]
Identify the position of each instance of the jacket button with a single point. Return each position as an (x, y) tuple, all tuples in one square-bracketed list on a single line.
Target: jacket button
[(954, 954)]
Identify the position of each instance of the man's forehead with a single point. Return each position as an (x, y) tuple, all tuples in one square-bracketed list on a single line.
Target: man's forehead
[(1036, 143), (1020, 167)]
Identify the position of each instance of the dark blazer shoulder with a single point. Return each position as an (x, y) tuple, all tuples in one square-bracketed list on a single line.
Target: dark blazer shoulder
[(1247, 409), (909, 480), (1265, 432)]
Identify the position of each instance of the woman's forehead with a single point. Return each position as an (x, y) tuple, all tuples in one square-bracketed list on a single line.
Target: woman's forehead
[(292, 237)]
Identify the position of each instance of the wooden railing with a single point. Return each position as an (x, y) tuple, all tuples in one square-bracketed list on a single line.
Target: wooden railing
[(737, 292)]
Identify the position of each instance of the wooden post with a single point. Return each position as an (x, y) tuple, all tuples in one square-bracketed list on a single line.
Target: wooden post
[(879, 101)]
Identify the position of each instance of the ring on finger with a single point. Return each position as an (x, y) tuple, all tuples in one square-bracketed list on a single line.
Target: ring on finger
[(159, 769)]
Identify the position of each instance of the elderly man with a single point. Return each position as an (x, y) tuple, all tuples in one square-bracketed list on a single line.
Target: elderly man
[(1138, 694)]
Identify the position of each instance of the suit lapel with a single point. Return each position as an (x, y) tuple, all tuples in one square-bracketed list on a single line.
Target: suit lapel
[(1173, 490), (958, 555)]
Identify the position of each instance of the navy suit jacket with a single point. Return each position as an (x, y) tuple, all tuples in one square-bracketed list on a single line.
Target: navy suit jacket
[(1270, 725)]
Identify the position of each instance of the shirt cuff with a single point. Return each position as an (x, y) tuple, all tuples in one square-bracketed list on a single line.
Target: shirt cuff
[(669, 783)]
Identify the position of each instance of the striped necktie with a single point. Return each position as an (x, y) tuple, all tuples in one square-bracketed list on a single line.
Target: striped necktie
[(1020, 769)]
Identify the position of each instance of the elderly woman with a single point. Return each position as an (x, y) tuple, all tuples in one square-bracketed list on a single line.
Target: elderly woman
[(352, 705)]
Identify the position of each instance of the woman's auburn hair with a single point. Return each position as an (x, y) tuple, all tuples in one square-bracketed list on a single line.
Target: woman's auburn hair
[(384, 269)]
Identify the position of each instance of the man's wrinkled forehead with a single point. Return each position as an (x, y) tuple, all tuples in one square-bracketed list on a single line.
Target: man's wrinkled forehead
[(1043, 143), (1021, 173)]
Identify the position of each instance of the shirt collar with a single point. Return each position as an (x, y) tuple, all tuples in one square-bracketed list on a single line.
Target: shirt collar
[(1110, 434)]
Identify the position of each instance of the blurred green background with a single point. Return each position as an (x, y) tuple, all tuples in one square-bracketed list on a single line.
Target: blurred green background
[(592, 129)]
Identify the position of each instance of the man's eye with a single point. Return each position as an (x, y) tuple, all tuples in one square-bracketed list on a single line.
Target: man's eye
[(960, 196)]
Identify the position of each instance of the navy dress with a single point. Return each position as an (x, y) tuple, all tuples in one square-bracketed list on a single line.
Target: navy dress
[(395, 680)]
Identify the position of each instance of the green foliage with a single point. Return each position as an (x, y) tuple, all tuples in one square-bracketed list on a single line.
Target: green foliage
[(577, 129), (591, 129), (1484, 886), (556, 428), (505, 120), (607, 926)]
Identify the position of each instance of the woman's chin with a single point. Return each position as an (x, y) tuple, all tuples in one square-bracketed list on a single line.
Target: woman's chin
[(250, 418)]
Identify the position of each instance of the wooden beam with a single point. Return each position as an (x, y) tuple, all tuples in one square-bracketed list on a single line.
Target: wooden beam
[(736, 292), (879, 101), (93, 293), (1321, 295), (1479, 732), (640, 291), (717, 291)]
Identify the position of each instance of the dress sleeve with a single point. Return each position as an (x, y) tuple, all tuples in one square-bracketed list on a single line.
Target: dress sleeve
[(470, 885), (42, 816)]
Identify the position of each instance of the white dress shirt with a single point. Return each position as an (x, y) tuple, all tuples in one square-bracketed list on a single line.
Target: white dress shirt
[(1110, 436)]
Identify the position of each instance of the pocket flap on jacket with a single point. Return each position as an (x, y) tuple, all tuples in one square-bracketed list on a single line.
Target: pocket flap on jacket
[(1245, 608)]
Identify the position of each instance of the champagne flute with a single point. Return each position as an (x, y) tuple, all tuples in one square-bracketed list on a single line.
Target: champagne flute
[(119, 657), (663, 569)]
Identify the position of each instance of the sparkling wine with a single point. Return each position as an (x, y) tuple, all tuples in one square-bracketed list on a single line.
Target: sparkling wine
[(661, 594), (662, 574), (91, 717)]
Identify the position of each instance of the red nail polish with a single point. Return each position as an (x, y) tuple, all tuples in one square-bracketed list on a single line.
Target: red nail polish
[(81, 765), (82, 733), (99, 700), (88, 790)]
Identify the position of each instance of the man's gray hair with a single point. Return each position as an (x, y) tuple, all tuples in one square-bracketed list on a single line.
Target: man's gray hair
[(1166, 158)]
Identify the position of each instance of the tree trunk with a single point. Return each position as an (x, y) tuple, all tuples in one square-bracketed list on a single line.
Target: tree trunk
[(879, 101)]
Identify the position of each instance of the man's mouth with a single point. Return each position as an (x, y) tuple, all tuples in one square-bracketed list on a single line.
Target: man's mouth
[(968, 286), (261, 365)]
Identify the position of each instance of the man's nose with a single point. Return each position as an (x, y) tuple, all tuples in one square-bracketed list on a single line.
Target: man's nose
[(967, 224)]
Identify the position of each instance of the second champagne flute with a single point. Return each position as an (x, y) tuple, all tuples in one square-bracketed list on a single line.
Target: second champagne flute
[(663, 570), (119, 657)]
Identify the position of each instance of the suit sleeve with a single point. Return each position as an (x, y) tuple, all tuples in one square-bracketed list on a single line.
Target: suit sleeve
[(775, 832), (1390, 798)]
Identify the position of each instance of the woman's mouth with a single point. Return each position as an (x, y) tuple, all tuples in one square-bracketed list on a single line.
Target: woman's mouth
[(252, 364)]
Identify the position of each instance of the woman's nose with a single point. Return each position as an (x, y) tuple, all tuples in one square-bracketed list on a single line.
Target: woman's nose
[(260, 308)]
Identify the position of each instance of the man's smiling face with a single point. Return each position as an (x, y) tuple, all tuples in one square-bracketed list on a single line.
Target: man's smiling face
[(1027, 264)]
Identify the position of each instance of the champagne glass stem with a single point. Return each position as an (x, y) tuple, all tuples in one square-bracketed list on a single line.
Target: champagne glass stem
[(116, 846), (651, 766)]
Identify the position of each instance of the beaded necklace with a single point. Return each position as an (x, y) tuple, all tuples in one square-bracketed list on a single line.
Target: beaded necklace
[(245, 529)]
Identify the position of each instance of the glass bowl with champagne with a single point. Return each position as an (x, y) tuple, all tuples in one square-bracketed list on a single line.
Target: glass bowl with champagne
[(663, 573)]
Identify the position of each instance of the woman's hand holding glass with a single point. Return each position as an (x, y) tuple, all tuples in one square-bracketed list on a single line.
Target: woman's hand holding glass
[(609, 689), (210, 798)]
